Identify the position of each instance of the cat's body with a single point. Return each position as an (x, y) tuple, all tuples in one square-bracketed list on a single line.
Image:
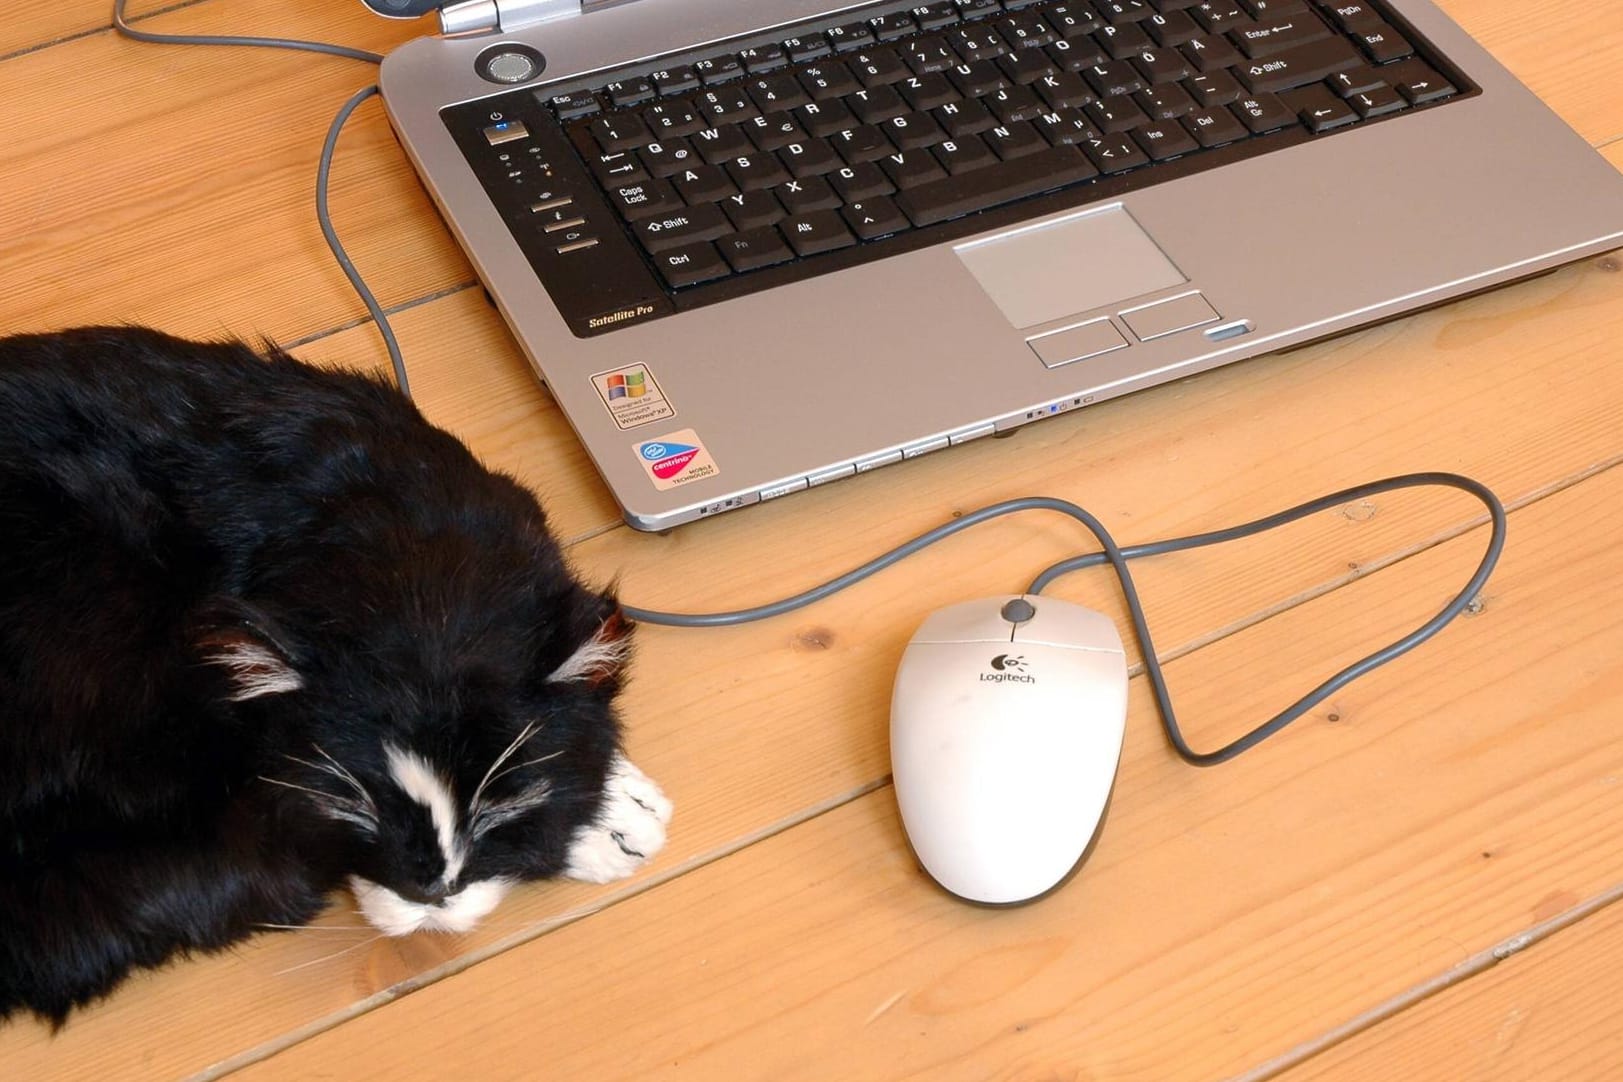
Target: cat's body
[(265, 632)]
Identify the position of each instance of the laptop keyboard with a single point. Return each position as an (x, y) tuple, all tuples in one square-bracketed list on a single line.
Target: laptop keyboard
[(725, 171)]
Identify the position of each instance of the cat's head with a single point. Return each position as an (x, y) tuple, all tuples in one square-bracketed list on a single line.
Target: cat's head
[(442, 755)]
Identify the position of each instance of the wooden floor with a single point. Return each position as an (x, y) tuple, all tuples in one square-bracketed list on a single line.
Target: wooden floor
[(1416, 882)]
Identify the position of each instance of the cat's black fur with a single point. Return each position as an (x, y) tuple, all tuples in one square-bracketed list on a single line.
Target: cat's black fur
[(221, 571)]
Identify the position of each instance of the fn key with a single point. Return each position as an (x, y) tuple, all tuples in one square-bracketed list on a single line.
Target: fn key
[(690, 264)]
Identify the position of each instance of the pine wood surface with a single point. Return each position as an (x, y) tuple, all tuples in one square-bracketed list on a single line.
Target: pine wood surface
[(1230, 916)]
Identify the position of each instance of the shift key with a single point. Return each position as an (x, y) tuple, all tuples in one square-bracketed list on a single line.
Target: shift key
[(1299, 66), (665, 231)]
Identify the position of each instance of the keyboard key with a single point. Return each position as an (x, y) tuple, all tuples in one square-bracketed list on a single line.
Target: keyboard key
[(582, 103), (1383, 44), (1164, 139), (1123, 41), (911, 130), (862, 181), (1357, 80), (719, 145), (927, 91), (1162, 65), (1319, 109), (775, 93), (683, 227), (644, 199), (726, 106), (1015, 141), (1124, 11), (925, 55), (1212, 54), (1377, 101), (703, 184), (1299, 66), (754, 171), (1355, 15), (1115, 114), (1263, 113), (891, 27), (811, 158), (961, 155), (959, 119), (817, 232), (910, 168), (864, 143), (1072, 20), (1115, 152), (1026, 66), (751, 210), (935, 16), (674, 81), (773, 130), (1065, 127), (690, 264), (1215, 88), (719, 69), (822, 119), (1264, 38), (668, 156), (629, 92), (1115, 79), (979, 189), (1015, 103), (1029, 31), (764, 58), (1064, 90), (754, 249), (978, 79), (878, 67), (1172, 29), (876, 103), (1417, 81), (850, 37), (806, 195), (1165, 102), (673, 118), (810, 47), (825, 82), (621, 132), (1215, 126), (1217, 16)]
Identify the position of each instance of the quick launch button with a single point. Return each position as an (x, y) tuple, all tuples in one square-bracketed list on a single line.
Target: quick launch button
[(508, 131)]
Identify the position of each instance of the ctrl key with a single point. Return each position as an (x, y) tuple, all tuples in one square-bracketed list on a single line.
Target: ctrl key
[(690, 264)]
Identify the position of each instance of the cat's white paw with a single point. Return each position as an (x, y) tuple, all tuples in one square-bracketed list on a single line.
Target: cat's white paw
[(630, 827)]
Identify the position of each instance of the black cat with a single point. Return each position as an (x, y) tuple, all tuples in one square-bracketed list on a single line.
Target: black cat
[(264, 631)]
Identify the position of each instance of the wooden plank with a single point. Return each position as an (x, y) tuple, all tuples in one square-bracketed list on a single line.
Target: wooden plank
[(1554, 52), (1226, 915), (186, 201), (36, 26), (1547, 1012)]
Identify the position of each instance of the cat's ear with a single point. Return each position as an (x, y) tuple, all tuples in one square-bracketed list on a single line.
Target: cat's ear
[(601, 655), (243, 641)]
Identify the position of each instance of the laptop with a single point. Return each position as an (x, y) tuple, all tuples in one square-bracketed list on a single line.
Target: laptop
[(755, 248)]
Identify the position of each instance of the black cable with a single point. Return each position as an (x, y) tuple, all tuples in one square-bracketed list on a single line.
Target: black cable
[(1118, 557), (265, 43)]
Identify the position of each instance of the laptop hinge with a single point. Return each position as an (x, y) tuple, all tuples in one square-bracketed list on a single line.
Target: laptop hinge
[(483, 16)]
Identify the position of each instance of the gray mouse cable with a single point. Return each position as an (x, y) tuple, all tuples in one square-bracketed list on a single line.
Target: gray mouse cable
[(323, 166), (1113, 554), (1118, 557)]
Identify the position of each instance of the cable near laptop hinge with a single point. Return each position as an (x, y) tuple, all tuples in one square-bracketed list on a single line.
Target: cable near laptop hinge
[(482, 16)]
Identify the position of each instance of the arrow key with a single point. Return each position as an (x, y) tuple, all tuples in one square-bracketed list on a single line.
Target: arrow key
[(1319, 109)]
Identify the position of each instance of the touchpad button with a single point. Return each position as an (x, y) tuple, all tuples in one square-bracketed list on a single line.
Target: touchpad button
[(1045, 272)]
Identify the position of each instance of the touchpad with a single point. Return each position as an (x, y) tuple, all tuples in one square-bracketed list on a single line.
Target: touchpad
[(1046, 272)]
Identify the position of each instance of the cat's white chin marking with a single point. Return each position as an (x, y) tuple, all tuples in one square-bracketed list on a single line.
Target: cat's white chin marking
[(393, 915), (629, 829)]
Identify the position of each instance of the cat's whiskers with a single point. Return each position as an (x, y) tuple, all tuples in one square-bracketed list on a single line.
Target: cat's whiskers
[(332, 805), (339, 770), (479, 791), (327, 958)]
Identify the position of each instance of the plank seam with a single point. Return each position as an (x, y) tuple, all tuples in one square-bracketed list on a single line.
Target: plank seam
[(1473, 966)]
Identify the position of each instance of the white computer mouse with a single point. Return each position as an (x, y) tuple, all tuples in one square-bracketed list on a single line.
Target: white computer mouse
[(1006, 729)]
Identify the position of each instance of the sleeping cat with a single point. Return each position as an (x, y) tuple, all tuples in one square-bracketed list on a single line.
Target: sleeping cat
[(265, 632)]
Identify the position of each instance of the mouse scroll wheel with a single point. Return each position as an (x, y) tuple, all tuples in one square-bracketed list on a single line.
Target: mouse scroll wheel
[(1018, 611)]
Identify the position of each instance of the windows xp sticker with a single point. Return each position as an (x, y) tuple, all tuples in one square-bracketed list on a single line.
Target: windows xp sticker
[(676, 459)]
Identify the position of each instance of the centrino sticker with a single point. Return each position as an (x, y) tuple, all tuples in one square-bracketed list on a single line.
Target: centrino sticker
[(676, 459)]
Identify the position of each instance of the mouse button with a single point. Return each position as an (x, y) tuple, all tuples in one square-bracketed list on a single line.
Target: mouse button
[(968, 621), (1062, 623)]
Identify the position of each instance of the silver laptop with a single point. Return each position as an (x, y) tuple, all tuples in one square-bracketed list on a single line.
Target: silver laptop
[(753, 248)]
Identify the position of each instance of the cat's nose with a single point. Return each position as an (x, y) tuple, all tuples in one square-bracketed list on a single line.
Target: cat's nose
[(427, 893)]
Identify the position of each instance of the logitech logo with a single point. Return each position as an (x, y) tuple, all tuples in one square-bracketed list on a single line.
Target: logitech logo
[(1010, 669)]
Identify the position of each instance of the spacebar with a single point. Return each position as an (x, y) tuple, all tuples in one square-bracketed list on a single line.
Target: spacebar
[(950, 197)]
